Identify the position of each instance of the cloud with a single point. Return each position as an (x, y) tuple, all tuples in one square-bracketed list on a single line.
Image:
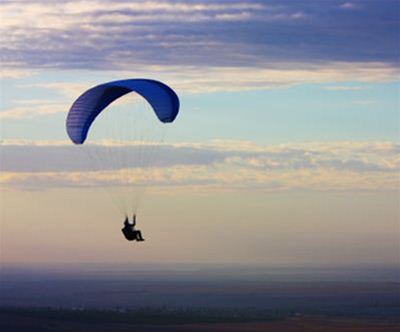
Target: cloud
[(105, 155), (13, 72), (121, 34), (217, 164), (67, 89), (348, 6), (28, 109), (344, 88), (242, 78), (364, 102), (191, 80)]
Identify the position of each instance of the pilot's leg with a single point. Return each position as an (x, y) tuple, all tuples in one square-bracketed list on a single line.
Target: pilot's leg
[(139, 236)]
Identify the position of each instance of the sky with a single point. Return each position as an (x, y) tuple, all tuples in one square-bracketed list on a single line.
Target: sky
[(285, 150)]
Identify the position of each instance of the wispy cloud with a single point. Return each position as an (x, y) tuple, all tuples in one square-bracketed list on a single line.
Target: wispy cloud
[(188, 79), (28, 109), (220, 164), (344, 88), (13, 72), (348, 5), (364, 102)]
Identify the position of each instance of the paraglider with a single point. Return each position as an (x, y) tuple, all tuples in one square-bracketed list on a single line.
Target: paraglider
[(88, 106), (165, 105)]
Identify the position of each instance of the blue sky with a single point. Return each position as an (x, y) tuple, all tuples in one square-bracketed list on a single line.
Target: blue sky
[(292, 98), (305, 112)]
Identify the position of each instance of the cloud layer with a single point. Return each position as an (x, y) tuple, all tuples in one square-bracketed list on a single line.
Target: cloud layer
[(105, 34), (219, 164)]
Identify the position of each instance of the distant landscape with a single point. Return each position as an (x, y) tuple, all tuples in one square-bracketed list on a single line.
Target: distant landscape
[(199, 298), (179, 320)]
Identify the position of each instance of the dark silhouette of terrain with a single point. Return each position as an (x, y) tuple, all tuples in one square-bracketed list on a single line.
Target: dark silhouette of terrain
[(151, 320), (199, 299)]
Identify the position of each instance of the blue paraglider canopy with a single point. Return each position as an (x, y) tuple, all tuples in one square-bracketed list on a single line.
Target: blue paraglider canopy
[(89, 105)]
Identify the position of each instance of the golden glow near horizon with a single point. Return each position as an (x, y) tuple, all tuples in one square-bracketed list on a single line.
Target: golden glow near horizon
[(239, 227)]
